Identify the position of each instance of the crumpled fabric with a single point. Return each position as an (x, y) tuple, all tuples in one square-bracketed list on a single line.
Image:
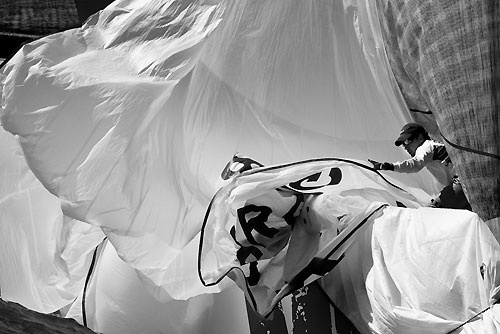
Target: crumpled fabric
[(276, 229), (45, 255), (420, 270), (129, 119), (391, 265)]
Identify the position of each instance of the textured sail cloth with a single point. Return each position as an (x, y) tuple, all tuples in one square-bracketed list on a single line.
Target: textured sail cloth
[(445, 58)]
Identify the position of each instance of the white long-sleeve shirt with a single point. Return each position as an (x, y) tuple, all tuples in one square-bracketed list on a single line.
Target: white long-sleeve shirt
[(430, 155)]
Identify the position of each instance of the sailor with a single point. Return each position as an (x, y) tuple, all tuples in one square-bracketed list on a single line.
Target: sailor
[(432, 155)]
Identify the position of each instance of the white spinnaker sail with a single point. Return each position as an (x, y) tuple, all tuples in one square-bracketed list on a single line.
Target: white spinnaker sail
[(130, 119)]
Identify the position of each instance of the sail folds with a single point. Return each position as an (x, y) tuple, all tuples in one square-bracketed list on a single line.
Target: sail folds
[(129, 120)]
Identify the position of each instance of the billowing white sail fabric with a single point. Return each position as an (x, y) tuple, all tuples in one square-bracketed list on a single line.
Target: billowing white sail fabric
[(390, 264), (276, 229), (130, 119), (117, 301), (420, 270), (44, 255)]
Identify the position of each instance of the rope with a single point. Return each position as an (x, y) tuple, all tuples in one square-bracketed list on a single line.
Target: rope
[(463, 324), (491, 155), (427, 112), (87, 280), (19, 35)]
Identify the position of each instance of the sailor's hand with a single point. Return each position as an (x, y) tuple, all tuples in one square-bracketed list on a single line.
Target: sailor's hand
[(381, 165), (446, 161)]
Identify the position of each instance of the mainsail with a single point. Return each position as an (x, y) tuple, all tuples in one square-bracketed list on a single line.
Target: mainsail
[(445, 59)]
